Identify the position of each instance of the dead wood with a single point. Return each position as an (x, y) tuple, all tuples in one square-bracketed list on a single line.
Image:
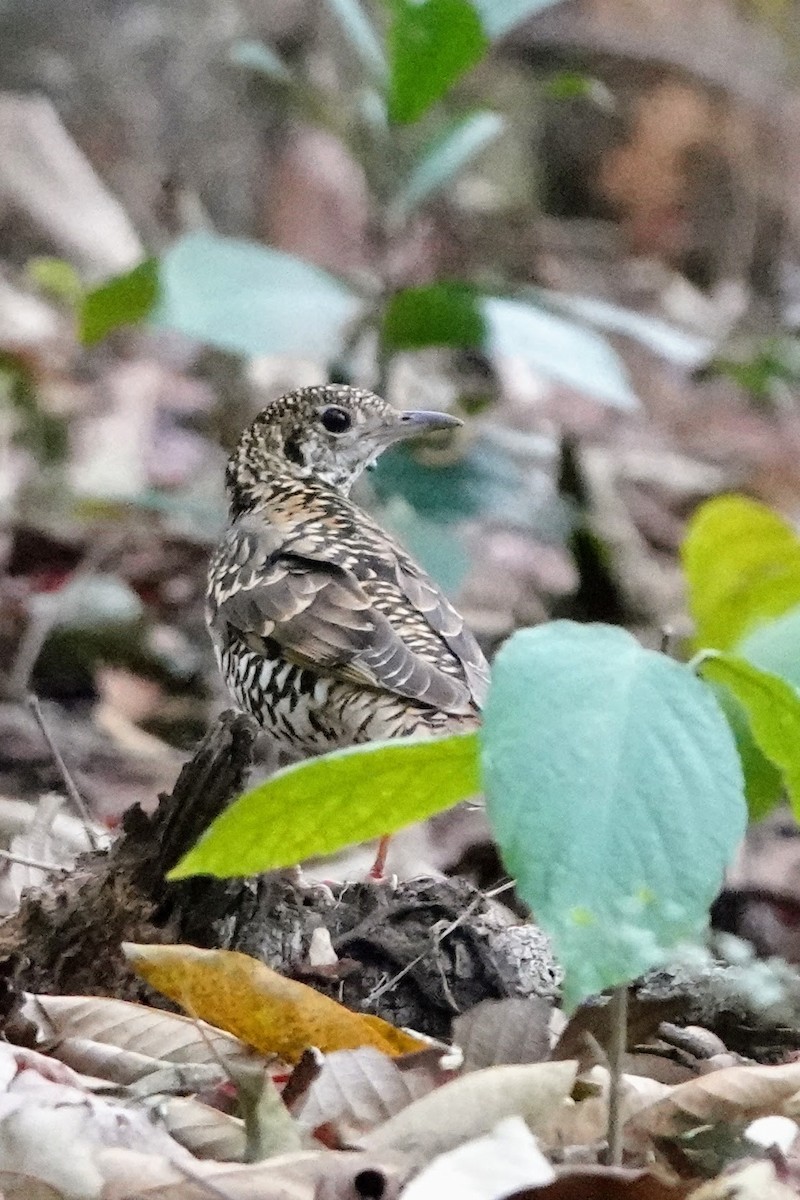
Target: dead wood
[(416, 954)]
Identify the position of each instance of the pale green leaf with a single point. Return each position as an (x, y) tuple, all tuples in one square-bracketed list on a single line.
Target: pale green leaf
[(560, 349), (258, 57), (499, 16), (775, 647), (321, 805), (361, 35), (446, 158), (615, 794), (742, 564), (250, 299), (773, 713), (763, 784)]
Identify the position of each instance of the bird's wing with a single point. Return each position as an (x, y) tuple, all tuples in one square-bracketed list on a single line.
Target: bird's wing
[(437, 610), (322, 618)]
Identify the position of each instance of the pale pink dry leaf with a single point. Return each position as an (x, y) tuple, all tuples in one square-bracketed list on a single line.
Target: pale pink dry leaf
[(134, 1027), (316, 1175), (52, 1132), (204, 1131), (126, 1068), (495, 1032), (359, 1089), (732, 1094), (486, 1168), (472, 1106)]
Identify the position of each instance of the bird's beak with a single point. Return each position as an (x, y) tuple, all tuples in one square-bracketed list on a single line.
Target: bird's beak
[(415, 422)]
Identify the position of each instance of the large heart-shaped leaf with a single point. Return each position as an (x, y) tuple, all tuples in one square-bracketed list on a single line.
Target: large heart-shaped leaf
[(321, 805), (448, 155), (615, 793)]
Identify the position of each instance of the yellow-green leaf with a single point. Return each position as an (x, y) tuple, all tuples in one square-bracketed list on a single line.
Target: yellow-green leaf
[(319, 806), (773, 713), (742, 564)]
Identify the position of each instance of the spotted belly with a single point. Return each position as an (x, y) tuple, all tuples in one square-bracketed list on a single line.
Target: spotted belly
[(307, 713)]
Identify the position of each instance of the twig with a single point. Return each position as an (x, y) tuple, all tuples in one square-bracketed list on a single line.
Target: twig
[(618, 1010), (24, 861), (439, 937), (69, 783)]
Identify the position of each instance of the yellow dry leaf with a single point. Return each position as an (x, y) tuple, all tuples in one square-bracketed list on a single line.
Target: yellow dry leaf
[(247, 998)]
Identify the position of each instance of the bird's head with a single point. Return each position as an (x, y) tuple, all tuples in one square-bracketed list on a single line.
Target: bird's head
[(330, 433)]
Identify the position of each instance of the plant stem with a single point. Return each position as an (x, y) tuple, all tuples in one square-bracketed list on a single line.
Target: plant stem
[(619, 1038)]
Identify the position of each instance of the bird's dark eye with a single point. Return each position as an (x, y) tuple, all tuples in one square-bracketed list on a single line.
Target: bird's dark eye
[(336, 420)]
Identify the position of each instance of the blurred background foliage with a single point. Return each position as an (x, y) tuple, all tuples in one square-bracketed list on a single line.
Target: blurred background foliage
[(566, 220)]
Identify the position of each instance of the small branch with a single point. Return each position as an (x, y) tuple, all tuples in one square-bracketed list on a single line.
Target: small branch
[(618, 1006), (24, 861), (69, 783)]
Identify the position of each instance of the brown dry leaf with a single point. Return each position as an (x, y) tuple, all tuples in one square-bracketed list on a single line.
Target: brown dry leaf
[(123, 1042), (607, 1183), (275, 1015), (24, 1187), (473, 1105), (495, 1032), (315, 1175), (356, 1090), (593, 1018), (757, 1181), (732, 1094)]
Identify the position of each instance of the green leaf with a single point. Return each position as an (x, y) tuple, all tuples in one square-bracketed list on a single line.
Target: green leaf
[(485, 480), (57, 277), (773, 713), (615, 794), (775, 647), (255, 56), (437, 546), (442, 314), (763, 784), (742, 565), (249, 299), (361, 35), (455, 314), (559, 349), (432, 43), (321, 805), (441, 162), (498, 16), (123, 300)]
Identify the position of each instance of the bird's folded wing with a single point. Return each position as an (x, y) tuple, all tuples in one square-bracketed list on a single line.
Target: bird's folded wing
[(322, 618), (437, 610)]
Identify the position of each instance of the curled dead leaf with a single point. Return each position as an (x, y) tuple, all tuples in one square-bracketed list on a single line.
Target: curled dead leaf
[(244, 996)]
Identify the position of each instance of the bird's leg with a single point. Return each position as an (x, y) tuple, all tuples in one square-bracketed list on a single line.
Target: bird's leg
[(378, 869)]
